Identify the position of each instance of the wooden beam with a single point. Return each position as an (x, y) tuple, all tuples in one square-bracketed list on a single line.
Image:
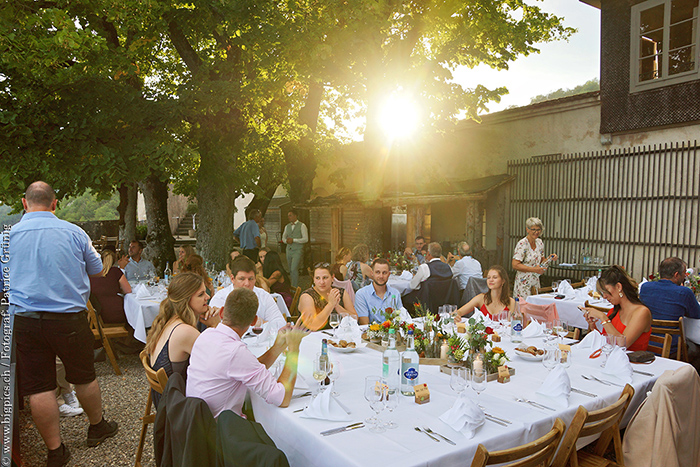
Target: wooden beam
[(336, 231)]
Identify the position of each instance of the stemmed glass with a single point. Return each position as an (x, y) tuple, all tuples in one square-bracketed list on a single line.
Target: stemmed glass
[(503, 319), (334, 321), (561, 328), (458, 380), (555, 286), (374, 394), (479, 377), (551, 356), (607, 348), (336, 370), (391, 401), (321, 369), (621, 341)]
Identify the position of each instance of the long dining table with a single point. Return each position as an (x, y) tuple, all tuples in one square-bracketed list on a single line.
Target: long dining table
[(300, 438)]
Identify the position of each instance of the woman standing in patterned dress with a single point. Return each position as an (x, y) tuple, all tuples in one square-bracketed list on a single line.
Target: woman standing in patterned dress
[(527, 259)]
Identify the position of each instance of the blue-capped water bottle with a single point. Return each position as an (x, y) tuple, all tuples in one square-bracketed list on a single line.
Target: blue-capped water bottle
[(409, 367), (516, 323)]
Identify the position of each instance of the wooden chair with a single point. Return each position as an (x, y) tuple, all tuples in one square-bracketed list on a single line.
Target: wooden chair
[(536, 291), (579, 284), (537, 453), (157, 381), (294, 309), (575, 334), (674, 328), (105, 333), (605, 421), (661, 346)]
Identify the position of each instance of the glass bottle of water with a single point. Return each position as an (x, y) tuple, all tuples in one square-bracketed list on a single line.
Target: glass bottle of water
[(516, 323), (167, 274), (391, 362), (409, 367)]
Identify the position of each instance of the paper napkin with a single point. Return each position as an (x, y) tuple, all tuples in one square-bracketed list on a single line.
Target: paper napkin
[(324, 407), (464, 416), (556, 387)]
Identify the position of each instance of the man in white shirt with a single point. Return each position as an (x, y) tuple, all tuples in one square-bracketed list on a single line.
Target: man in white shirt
[(295, 235), (138, 268), (243, 275), (433, 268), (464, 265)]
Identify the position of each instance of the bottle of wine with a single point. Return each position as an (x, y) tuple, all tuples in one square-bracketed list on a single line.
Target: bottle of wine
[(324, 356), (167, 274)]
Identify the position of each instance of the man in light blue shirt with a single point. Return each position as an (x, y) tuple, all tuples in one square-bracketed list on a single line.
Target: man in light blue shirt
[(138, 268), (248, 234), (371, 300), (464, 267), (50, 261)]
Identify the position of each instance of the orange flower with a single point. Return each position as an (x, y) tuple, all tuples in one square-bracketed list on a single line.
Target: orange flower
[(386, 324), (497, 350)]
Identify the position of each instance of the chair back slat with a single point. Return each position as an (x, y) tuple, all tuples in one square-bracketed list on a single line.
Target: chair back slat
[(294, 309), (537, 453), (674, 328), (605, 421), (659, 345), (156, 379)]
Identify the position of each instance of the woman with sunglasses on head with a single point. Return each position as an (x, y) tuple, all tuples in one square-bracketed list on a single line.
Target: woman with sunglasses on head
[(318, 302), (527, 259), (628, 317)]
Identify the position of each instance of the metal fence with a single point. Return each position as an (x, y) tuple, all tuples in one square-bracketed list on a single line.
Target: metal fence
[(632, 207)]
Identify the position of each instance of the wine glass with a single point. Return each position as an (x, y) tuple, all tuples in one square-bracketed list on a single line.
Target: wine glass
[(458, 380), (555, 286), (321, 369), (479, 378), (391, 401), (336, 370), (334, 321), (374, 394), (503, 320), (551, 356), (621, 341), (607, 348)]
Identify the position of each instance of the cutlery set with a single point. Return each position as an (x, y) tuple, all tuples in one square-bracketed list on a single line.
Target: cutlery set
[(430, 434), (607, 383)]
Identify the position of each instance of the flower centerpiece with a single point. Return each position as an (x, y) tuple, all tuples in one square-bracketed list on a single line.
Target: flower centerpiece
[(397, 261), (476, 342)]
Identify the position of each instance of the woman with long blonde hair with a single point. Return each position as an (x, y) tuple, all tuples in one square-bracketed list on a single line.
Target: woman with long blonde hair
[(106, 287), (173, 332), (184, 252), (195, 264)]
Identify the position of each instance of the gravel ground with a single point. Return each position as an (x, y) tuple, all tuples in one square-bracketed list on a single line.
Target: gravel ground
[(123, 400)]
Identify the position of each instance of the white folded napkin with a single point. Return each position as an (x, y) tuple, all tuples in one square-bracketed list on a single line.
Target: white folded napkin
[(324, 407), (594, 340), (464, 416), (618, 366), (592, 282), (534, 329), (566, 289), (349, 330), (142, 292), (556, 387), (479, 316)]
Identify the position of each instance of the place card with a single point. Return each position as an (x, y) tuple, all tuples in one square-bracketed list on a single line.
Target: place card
[(422, 393), (495, 337), (461, 328), (503, 374)]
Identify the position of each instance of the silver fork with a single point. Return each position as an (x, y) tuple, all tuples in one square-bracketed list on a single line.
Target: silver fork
[(426, 433), (434, 433)]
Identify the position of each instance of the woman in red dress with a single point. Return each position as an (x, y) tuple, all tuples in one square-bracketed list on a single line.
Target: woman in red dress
[(496, 300)]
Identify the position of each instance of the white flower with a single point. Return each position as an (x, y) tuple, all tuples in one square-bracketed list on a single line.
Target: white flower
[(503, 360)]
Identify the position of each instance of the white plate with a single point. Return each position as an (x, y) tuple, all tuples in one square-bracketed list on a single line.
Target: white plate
[(530, 357), (342, 349)]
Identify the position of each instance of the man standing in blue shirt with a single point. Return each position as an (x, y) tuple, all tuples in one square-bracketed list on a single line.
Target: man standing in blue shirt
[(248, 234), (371, 300), (666, 298), (50, 261)]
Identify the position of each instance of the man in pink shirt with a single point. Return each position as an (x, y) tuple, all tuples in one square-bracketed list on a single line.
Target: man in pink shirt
[(222, 369)]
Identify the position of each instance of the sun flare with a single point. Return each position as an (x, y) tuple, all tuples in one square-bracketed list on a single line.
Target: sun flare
[(399, 116)]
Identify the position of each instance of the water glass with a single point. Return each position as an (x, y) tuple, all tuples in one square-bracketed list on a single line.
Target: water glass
[(551, 356), (607, 348), (621, 341), (479, 378), (458, 379), (336, 371), (374, 394), (391, 402)]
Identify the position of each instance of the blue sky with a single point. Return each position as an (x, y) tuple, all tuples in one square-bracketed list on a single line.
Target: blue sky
[(558, 65)]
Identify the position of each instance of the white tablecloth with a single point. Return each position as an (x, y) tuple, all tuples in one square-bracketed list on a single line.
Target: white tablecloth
[(301, 441), (692, 329), (140, 314), (568, 308)]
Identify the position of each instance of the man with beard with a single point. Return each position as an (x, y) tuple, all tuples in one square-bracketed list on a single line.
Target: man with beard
[(373, 299)]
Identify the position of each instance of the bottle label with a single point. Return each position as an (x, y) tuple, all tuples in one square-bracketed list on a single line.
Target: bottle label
[(385, 370), (517, 327), (411, 374)]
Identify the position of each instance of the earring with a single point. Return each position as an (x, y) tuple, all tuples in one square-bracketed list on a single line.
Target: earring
[(621, 295)]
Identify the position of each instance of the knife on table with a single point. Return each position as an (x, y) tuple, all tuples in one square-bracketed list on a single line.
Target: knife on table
[(343, 428)]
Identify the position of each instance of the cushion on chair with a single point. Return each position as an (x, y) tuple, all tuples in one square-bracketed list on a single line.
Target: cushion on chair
[(542, 313)]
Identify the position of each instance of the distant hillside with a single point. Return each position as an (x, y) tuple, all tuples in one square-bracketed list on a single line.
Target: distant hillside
[(588, 86)]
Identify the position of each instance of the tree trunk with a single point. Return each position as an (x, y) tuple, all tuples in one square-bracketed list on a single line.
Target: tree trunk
[(215, 200), (299, 156), (127, 214), (160, 244), (268, 183)]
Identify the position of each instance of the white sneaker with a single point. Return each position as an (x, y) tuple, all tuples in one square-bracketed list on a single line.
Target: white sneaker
[(66, 410), (71, 399)]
